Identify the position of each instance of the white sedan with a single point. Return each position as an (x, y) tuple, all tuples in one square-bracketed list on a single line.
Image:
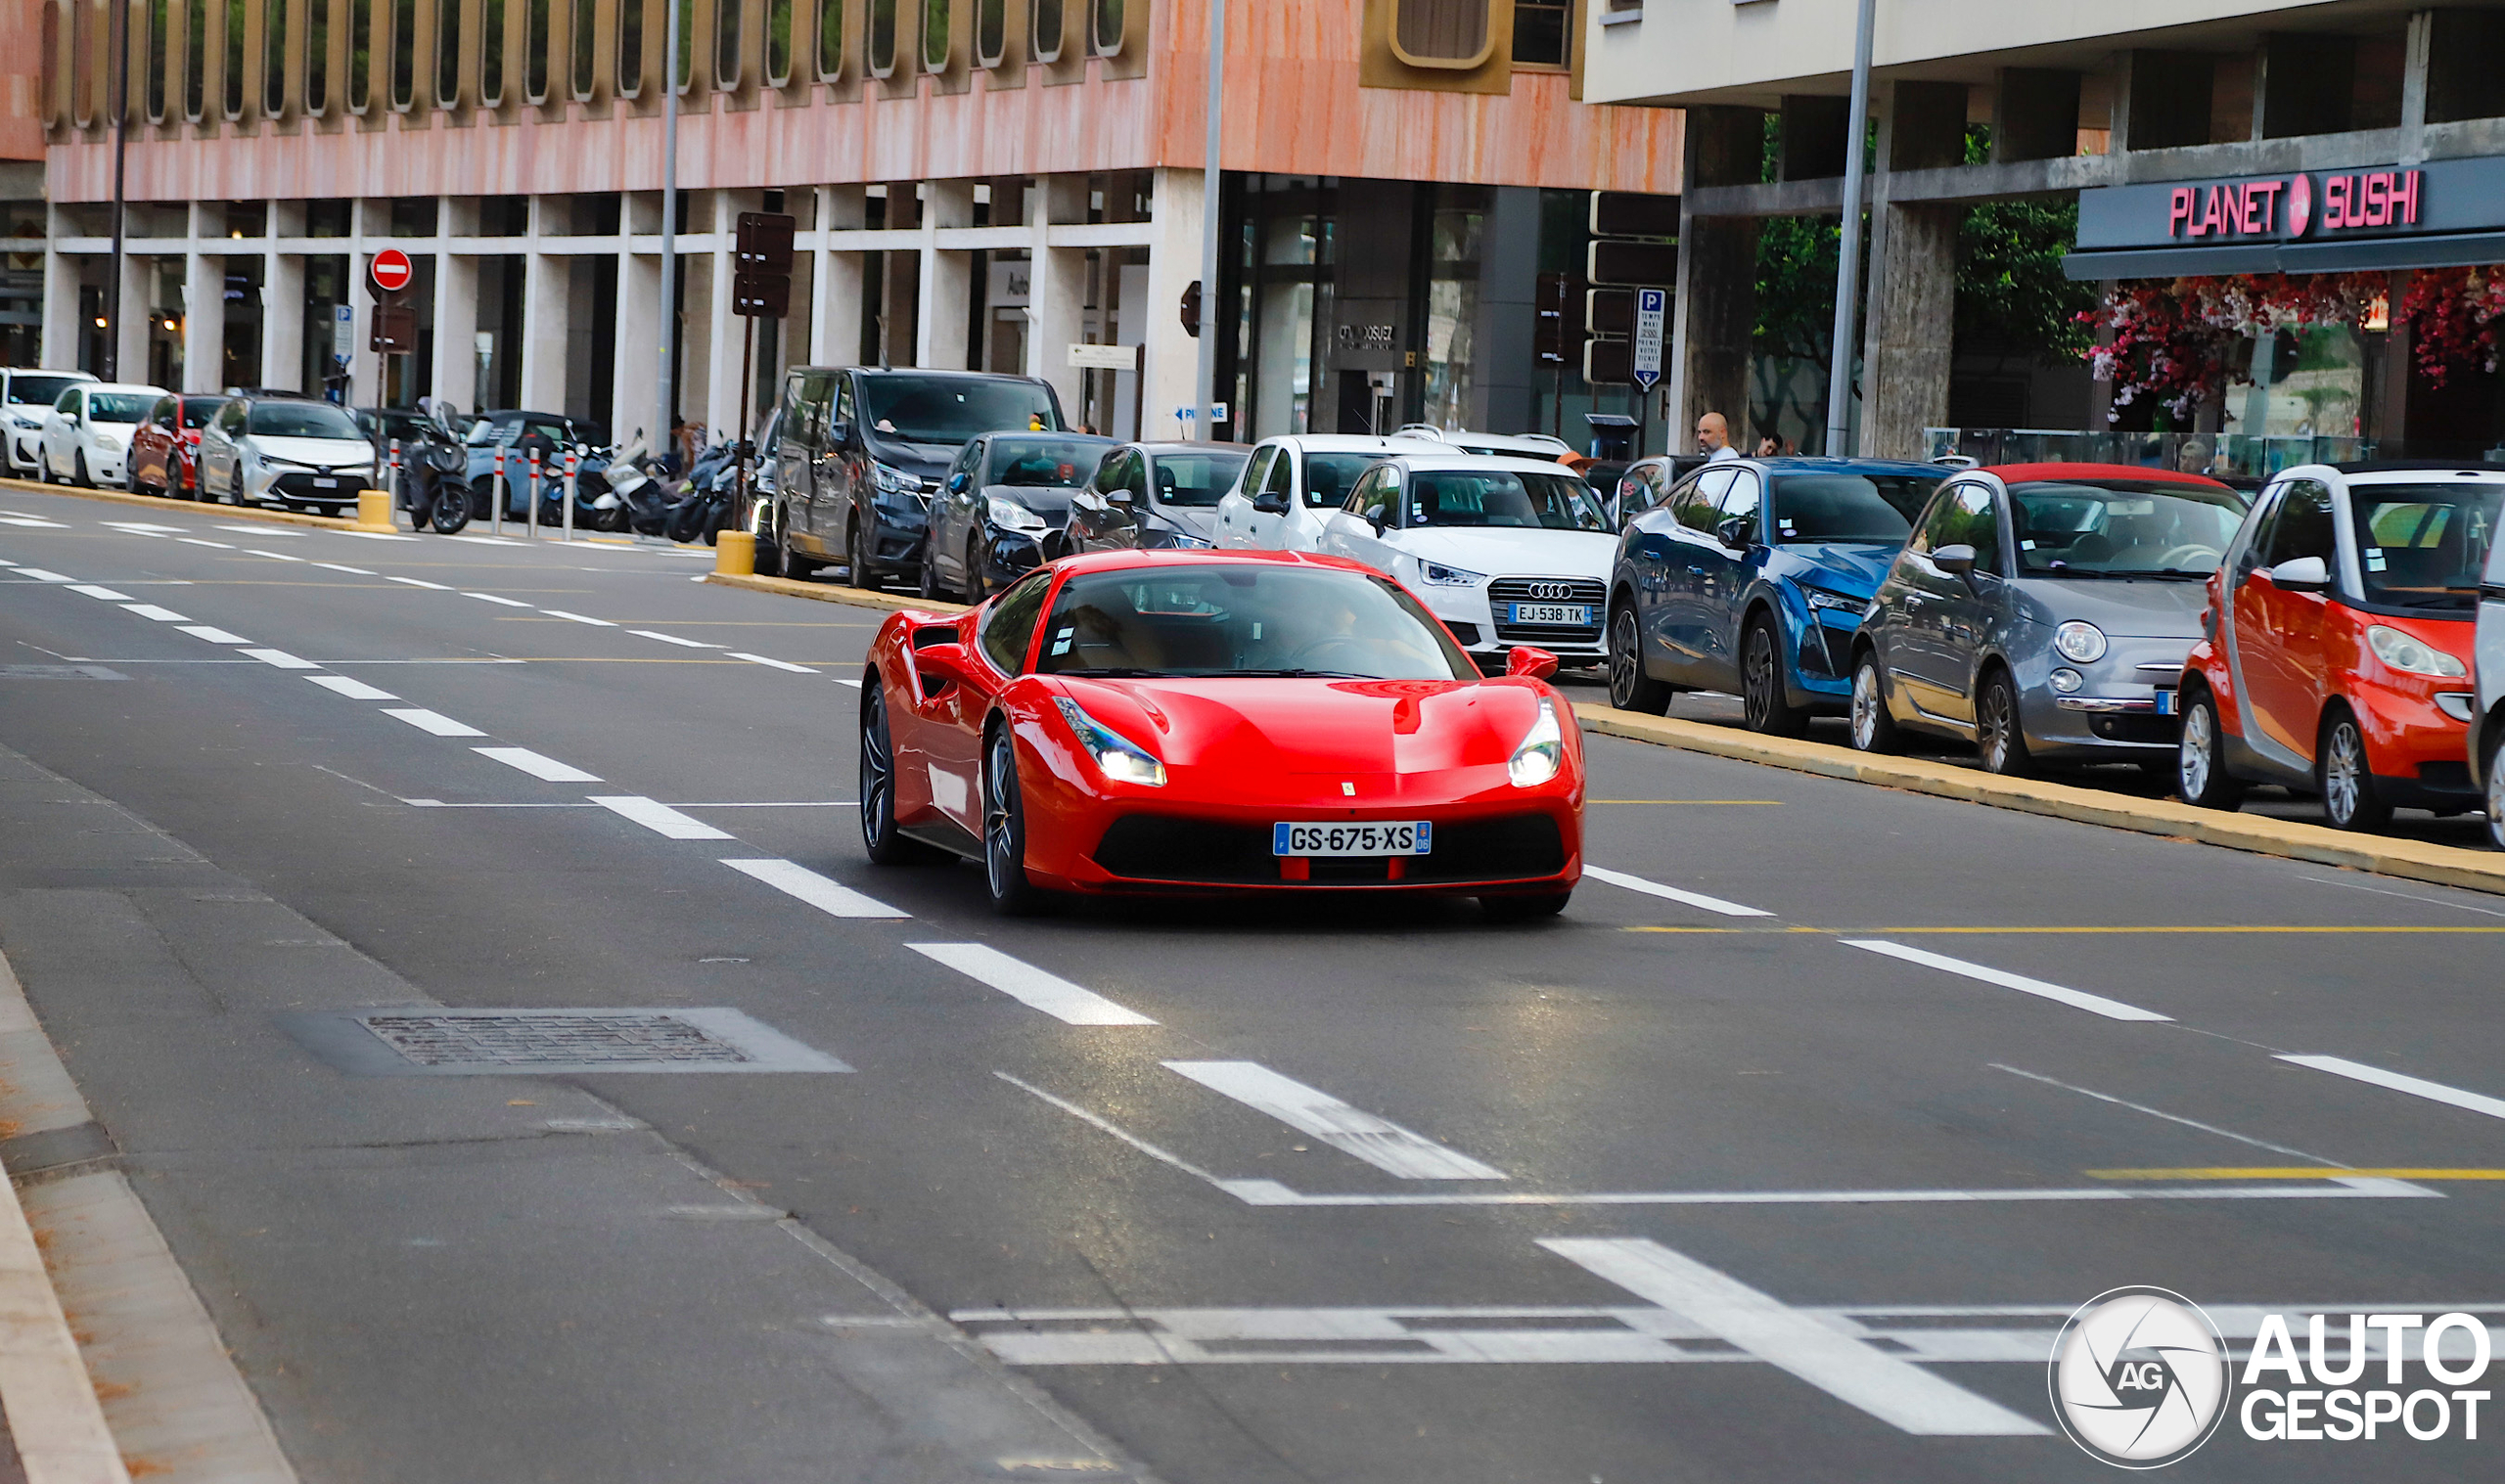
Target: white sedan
[(306, 454), (86, 436), (1505, 551)]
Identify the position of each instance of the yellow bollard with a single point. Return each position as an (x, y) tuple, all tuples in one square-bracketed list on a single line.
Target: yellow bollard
[(373, 510), (735, 554)]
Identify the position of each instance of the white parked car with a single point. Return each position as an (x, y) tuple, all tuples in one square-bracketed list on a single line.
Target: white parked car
[(293, 450), (1505, 551), (86, 436), (27, 395), (1290, 482), (1521, 445)]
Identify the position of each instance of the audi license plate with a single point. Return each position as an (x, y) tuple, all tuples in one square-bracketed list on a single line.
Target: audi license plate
[(320, 483), (1412, 838), (1577, 615), (2166, 704)]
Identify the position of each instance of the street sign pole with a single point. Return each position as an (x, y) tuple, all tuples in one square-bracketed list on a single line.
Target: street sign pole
[(1652, 311)]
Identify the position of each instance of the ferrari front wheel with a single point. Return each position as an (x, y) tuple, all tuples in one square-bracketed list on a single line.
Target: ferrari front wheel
[(884, 845), (1004, 829)]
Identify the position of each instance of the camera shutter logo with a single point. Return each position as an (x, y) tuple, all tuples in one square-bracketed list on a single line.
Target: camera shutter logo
[(2139, 1377)]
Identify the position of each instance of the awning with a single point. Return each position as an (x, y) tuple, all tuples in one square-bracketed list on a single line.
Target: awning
[(2466, 249)]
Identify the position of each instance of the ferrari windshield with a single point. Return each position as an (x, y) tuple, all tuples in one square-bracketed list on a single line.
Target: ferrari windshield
[(2122, 527), (1445, 497), (1245, 620), (2423, 546)]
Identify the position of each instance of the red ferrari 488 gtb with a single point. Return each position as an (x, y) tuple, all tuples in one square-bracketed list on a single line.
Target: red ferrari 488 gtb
[(1212, 722)]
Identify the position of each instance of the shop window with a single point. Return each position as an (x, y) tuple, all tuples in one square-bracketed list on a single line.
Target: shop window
[(728, 41), (447, 53), (579, 34), (829, 39), (1043, 32), (158, 13), (883, 37), (934, 35), (1441, 33), (778, 43), (1108, 26), (492, 52), (630, 47), (317, 57), (361, 54), (991, 31), (534, 49), (234, 89), (274, 29), (403, 22), (1540, 31), (195, 58)]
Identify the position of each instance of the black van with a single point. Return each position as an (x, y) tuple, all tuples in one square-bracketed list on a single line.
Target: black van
[(862, 450)]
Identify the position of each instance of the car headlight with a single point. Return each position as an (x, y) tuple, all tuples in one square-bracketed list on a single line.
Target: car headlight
[(1820, 598), (1010, 516), (2402, 652), (2080, 642), (893, 481), (108, 442), (1542, 751), (1436, 574), (1117, 757), (2068, 681)]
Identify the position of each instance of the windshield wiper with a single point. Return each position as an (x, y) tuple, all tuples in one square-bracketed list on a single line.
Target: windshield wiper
[(1293, 674), (1114, 672)]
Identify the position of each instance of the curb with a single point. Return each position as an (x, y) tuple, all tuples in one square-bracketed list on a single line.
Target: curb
[(827, 592), (46, 1394), (2410, 860), (150, 502)]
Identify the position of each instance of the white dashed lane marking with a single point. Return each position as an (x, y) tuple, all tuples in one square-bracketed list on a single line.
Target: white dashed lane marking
[(352, 689), (105, 593), (2077, 998), (223, 546), (433, 587), (538, 766), (691, 644), (281, 658), (831, 897), (511, 603), (2416, 1087), (433, 721), (41, 575), (1031, 986), (659, 818), (779, 664), (273, 555), (214, 635), (601, 623), (152, 610), (1379, 1141), (353, 571), (1672, 894)]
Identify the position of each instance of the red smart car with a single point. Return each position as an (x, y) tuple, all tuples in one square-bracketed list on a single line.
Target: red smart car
[(2336, 641), (1199, 722)]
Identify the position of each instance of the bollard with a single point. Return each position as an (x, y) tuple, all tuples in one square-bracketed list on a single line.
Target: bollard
[(735, 552), (496, 504), (394, 487), (573, 478), (534, 494), (373, 510)]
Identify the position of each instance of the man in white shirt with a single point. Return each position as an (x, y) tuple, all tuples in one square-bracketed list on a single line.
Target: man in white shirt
[(1713, 438)]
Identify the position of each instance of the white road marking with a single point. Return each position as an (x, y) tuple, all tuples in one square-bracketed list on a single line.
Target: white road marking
[(259, 530), (598, 623), (105, 593), (511, 603), (142, 527), (538, 766), (1672, 894), (2077, 998), (1031, 986), (223, 546), (1113, 1128), (2417, 1087), (281, 658), (152, 610), (1379, 1141), (659, 818), (32, 523), (353, 571), (273, 555), (2189, 1123), (692, 644), (1888, 1387), (354, 690), (214, 635), (379, 535), (487, 540), (831, 897), (41, 575), (1271, 1193), (433, 721), (847, 679), (434, 587), (779, 664)]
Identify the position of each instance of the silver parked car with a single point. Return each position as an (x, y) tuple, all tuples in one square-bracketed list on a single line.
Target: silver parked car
[(2487, 711), (2044, 612)]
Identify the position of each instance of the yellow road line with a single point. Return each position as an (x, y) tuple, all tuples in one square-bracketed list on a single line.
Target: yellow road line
[(2294, 1172)]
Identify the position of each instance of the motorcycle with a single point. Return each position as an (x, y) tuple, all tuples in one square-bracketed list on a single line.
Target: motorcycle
[(711, 493), (430, 487), (637, 499)]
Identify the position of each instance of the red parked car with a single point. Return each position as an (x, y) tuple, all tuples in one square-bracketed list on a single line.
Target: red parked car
[(1205, 722), (163, 447), (2337, 642)]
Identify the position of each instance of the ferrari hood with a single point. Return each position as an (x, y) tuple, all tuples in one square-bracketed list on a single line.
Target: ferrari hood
[(1302, 739), (1510, 551)]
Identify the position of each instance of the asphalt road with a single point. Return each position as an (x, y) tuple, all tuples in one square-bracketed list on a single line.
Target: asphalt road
[(1738, 1171)]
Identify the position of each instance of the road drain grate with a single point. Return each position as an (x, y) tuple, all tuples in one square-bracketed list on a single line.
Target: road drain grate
[(438, 1042)]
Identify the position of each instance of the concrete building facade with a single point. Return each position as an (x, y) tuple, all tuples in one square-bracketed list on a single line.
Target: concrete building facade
[(978, 183)]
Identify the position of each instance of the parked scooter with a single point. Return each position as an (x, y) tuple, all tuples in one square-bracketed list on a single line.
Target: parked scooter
[(431, 470), (637, 499)]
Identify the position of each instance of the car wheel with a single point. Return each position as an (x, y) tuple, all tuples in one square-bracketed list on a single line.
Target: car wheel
[(1761, 685), (769, 546), (78, 470), (1524, 909), (978, 581), (2495, 792), (929, 586), (1004, 829), (1874, 729), (879, 834), (2000, 734), (856, 556), (2345, 777), (1629, 688)]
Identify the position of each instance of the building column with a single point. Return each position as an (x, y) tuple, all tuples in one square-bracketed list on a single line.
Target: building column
[(456, 323), (1713, 315), (1504, 359), (899, 280), (1173, 366), (635, 397), (1056, 288), (130, 331), (283, 305), (369, 231), (204, 303), (547, 314), (835, 279), (726, 339), (946, 279), (62, 333), (1910, 350)]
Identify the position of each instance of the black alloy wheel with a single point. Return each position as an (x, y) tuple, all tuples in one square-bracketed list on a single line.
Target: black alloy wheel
[(2000, 735), (978, 581), (769, 545), (1763, 702), (856, 554), (1874, 727), (79, 469), (2345, 777), (879, 837), (929, 584), (1629, 688), (1004, 829)]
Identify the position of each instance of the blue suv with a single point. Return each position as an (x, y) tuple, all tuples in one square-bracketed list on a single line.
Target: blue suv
[(1750, 576)]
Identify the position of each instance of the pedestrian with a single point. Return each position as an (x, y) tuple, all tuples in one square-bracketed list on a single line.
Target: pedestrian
[(1713, 438), (1769, 447)]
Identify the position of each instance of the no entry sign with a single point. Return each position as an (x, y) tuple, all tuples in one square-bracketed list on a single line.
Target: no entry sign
[(389, 273)]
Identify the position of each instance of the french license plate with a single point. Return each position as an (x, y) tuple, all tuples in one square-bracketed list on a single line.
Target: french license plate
[(2166, 705), (1413, 837), (1577, 615), (326, 483)]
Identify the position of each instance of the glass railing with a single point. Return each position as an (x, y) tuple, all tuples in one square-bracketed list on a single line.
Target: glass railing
[(2226, 456)]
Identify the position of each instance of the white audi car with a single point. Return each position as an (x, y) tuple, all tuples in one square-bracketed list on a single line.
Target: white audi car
[(1505, 551), (86, 436)]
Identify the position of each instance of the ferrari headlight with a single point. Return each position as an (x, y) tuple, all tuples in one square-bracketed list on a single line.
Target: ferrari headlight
[(1117, 757), (1436, 574), (1010, 516), (1542, 751), (2080, 642), (2402, 652)]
